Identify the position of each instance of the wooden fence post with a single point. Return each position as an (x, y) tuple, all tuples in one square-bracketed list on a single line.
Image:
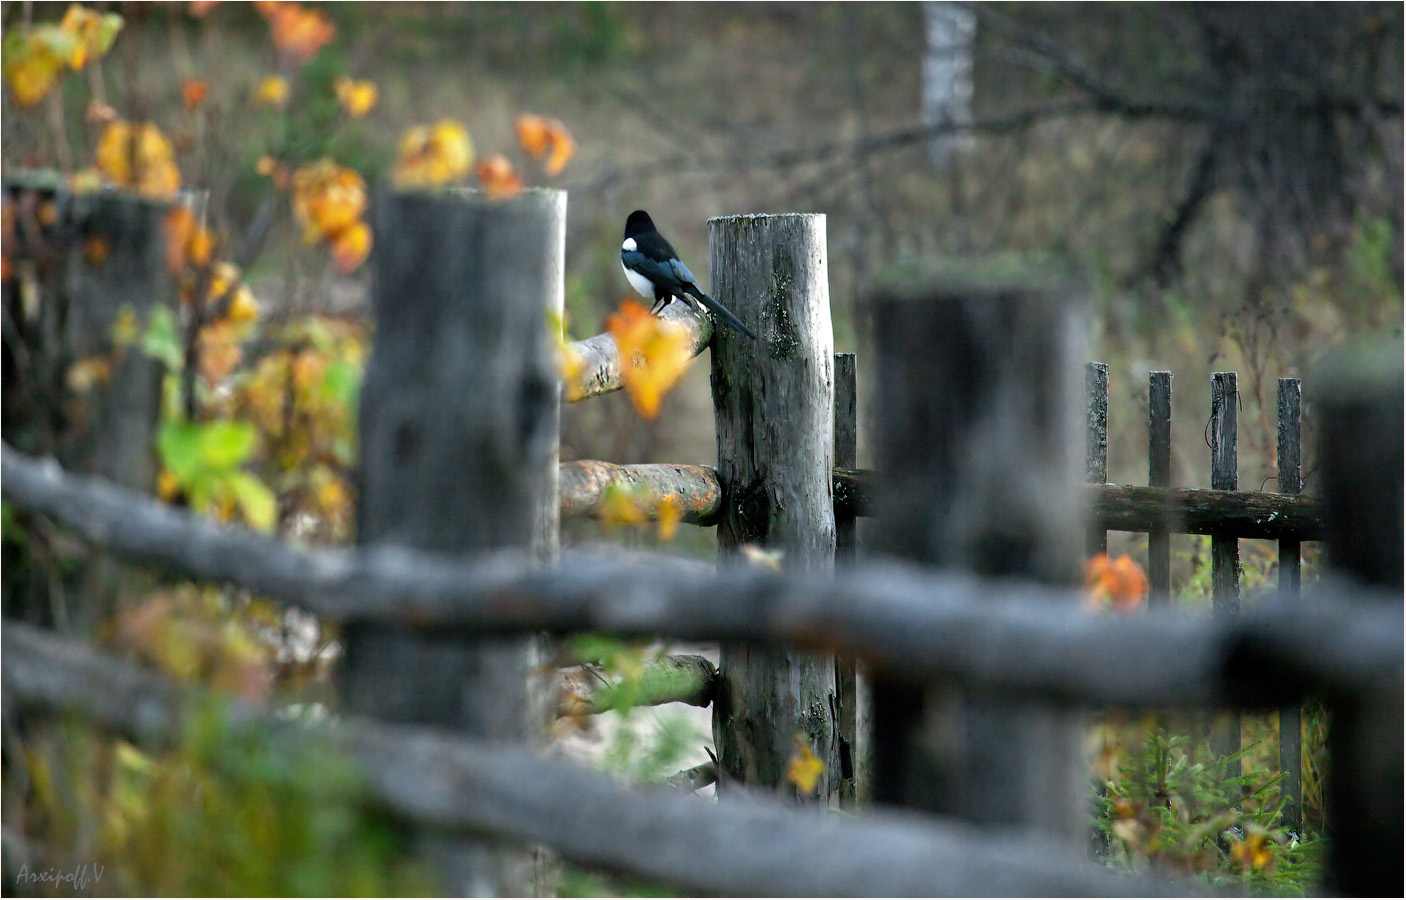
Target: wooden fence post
[(1159, 474), (1225, 549), (851, 684), (1096, 443), (458, 433), (774, 399), (91, 257), (1360, 459), (1290, 482), (976, 435)]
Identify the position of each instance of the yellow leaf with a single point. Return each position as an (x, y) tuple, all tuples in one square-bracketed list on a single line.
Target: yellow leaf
[(357, 97), (433, 156), (670, 514), (653, 355), (758, 556), (351, 246), (272, 90), (804, 768), (621, 506), (31, 68), (140, 156)]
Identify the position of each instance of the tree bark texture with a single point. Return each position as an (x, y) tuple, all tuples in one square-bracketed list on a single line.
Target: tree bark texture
[(773, 400), (977, 435), (459, 432)]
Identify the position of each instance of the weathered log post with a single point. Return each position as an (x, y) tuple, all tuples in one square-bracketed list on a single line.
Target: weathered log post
[(1225, 548), (459, 431), (1159, 475), (773, 400), (85, 260), (1096, 443), (1360, 458), (976, 437), (1290, 481), (851, 682)]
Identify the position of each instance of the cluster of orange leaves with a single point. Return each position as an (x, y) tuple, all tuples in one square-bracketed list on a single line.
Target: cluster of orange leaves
[(297, 32), (654, 353), (37, 55), (1119, 584), (226, 305), (329, 201), (441, 154)]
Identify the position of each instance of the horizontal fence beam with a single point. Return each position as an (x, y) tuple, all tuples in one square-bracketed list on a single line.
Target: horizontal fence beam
[(1115, 507), (599, 357), (1000, 637), (1242, 514), (759, 847)]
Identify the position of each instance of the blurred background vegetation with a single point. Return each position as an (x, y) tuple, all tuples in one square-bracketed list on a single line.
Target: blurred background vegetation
[(1229, 175)]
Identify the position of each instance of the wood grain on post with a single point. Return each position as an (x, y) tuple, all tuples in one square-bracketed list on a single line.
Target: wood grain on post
[(1225, 549), (1360, 459), (851, 684), (1159, 475), (976, 434), (1096, 443), (459, 433), (773, 399), (1290, 482)]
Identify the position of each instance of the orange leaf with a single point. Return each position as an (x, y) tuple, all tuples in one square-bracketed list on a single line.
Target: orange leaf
[(96, 250), (653, 355), (351, 247), (498, 178), (669, 515), (298, 33), (532, 134), (541, 136), (193, 93), (327, 199), (1119, 583), (140, 156)]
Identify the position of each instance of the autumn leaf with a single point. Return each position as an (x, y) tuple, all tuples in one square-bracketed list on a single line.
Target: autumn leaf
[(433, 156), (1252, 852), (297, 32), (188, 243), (31, 66), (621, 505), (653, 355), (92, 32), (350, 247), (272, 90), (96, 250), (804, 768), (669, 514), (327, 199), (540, 136), (1117, 583), (193, 93), (498, 178), (761, 557), (138, 155), (357, 97)]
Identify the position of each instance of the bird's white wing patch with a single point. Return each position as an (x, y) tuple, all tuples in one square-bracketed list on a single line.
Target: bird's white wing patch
[(629, 245), (642, 285)]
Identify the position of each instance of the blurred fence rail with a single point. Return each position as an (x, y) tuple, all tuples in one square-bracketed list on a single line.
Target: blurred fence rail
[(458, 570)]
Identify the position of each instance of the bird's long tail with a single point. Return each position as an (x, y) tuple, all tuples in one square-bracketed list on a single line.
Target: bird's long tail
[(721, 312)]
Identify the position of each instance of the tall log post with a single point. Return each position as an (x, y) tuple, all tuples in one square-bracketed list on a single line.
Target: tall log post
[(1360, 457), (1159, 475), (773, 400), (1290, 481), (976, 435), (459, 432), (83, 261), (1096, 443), (1225, 548)]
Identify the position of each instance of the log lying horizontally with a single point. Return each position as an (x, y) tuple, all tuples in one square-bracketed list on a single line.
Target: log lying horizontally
[(675, 679), (599, 356), (748, 848), (1004, 637), (1115, 507)]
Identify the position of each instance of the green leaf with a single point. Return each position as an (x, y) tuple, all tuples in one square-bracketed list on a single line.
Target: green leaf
[(256, 501), (226, 445), (107, 32), (178, 442), (162, 340)]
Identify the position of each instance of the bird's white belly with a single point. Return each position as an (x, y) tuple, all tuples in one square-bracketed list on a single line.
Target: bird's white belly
[(642, 285)]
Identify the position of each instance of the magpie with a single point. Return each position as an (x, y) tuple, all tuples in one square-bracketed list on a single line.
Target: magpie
[(656, 271)]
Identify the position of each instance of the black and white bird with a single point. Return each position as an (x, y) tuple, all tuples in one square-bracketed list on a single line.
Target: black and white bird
[(656, 271)]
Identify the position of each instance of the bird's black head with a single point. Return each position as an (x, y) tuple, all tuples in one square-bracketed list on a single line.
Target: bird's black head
[(638, 223)]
